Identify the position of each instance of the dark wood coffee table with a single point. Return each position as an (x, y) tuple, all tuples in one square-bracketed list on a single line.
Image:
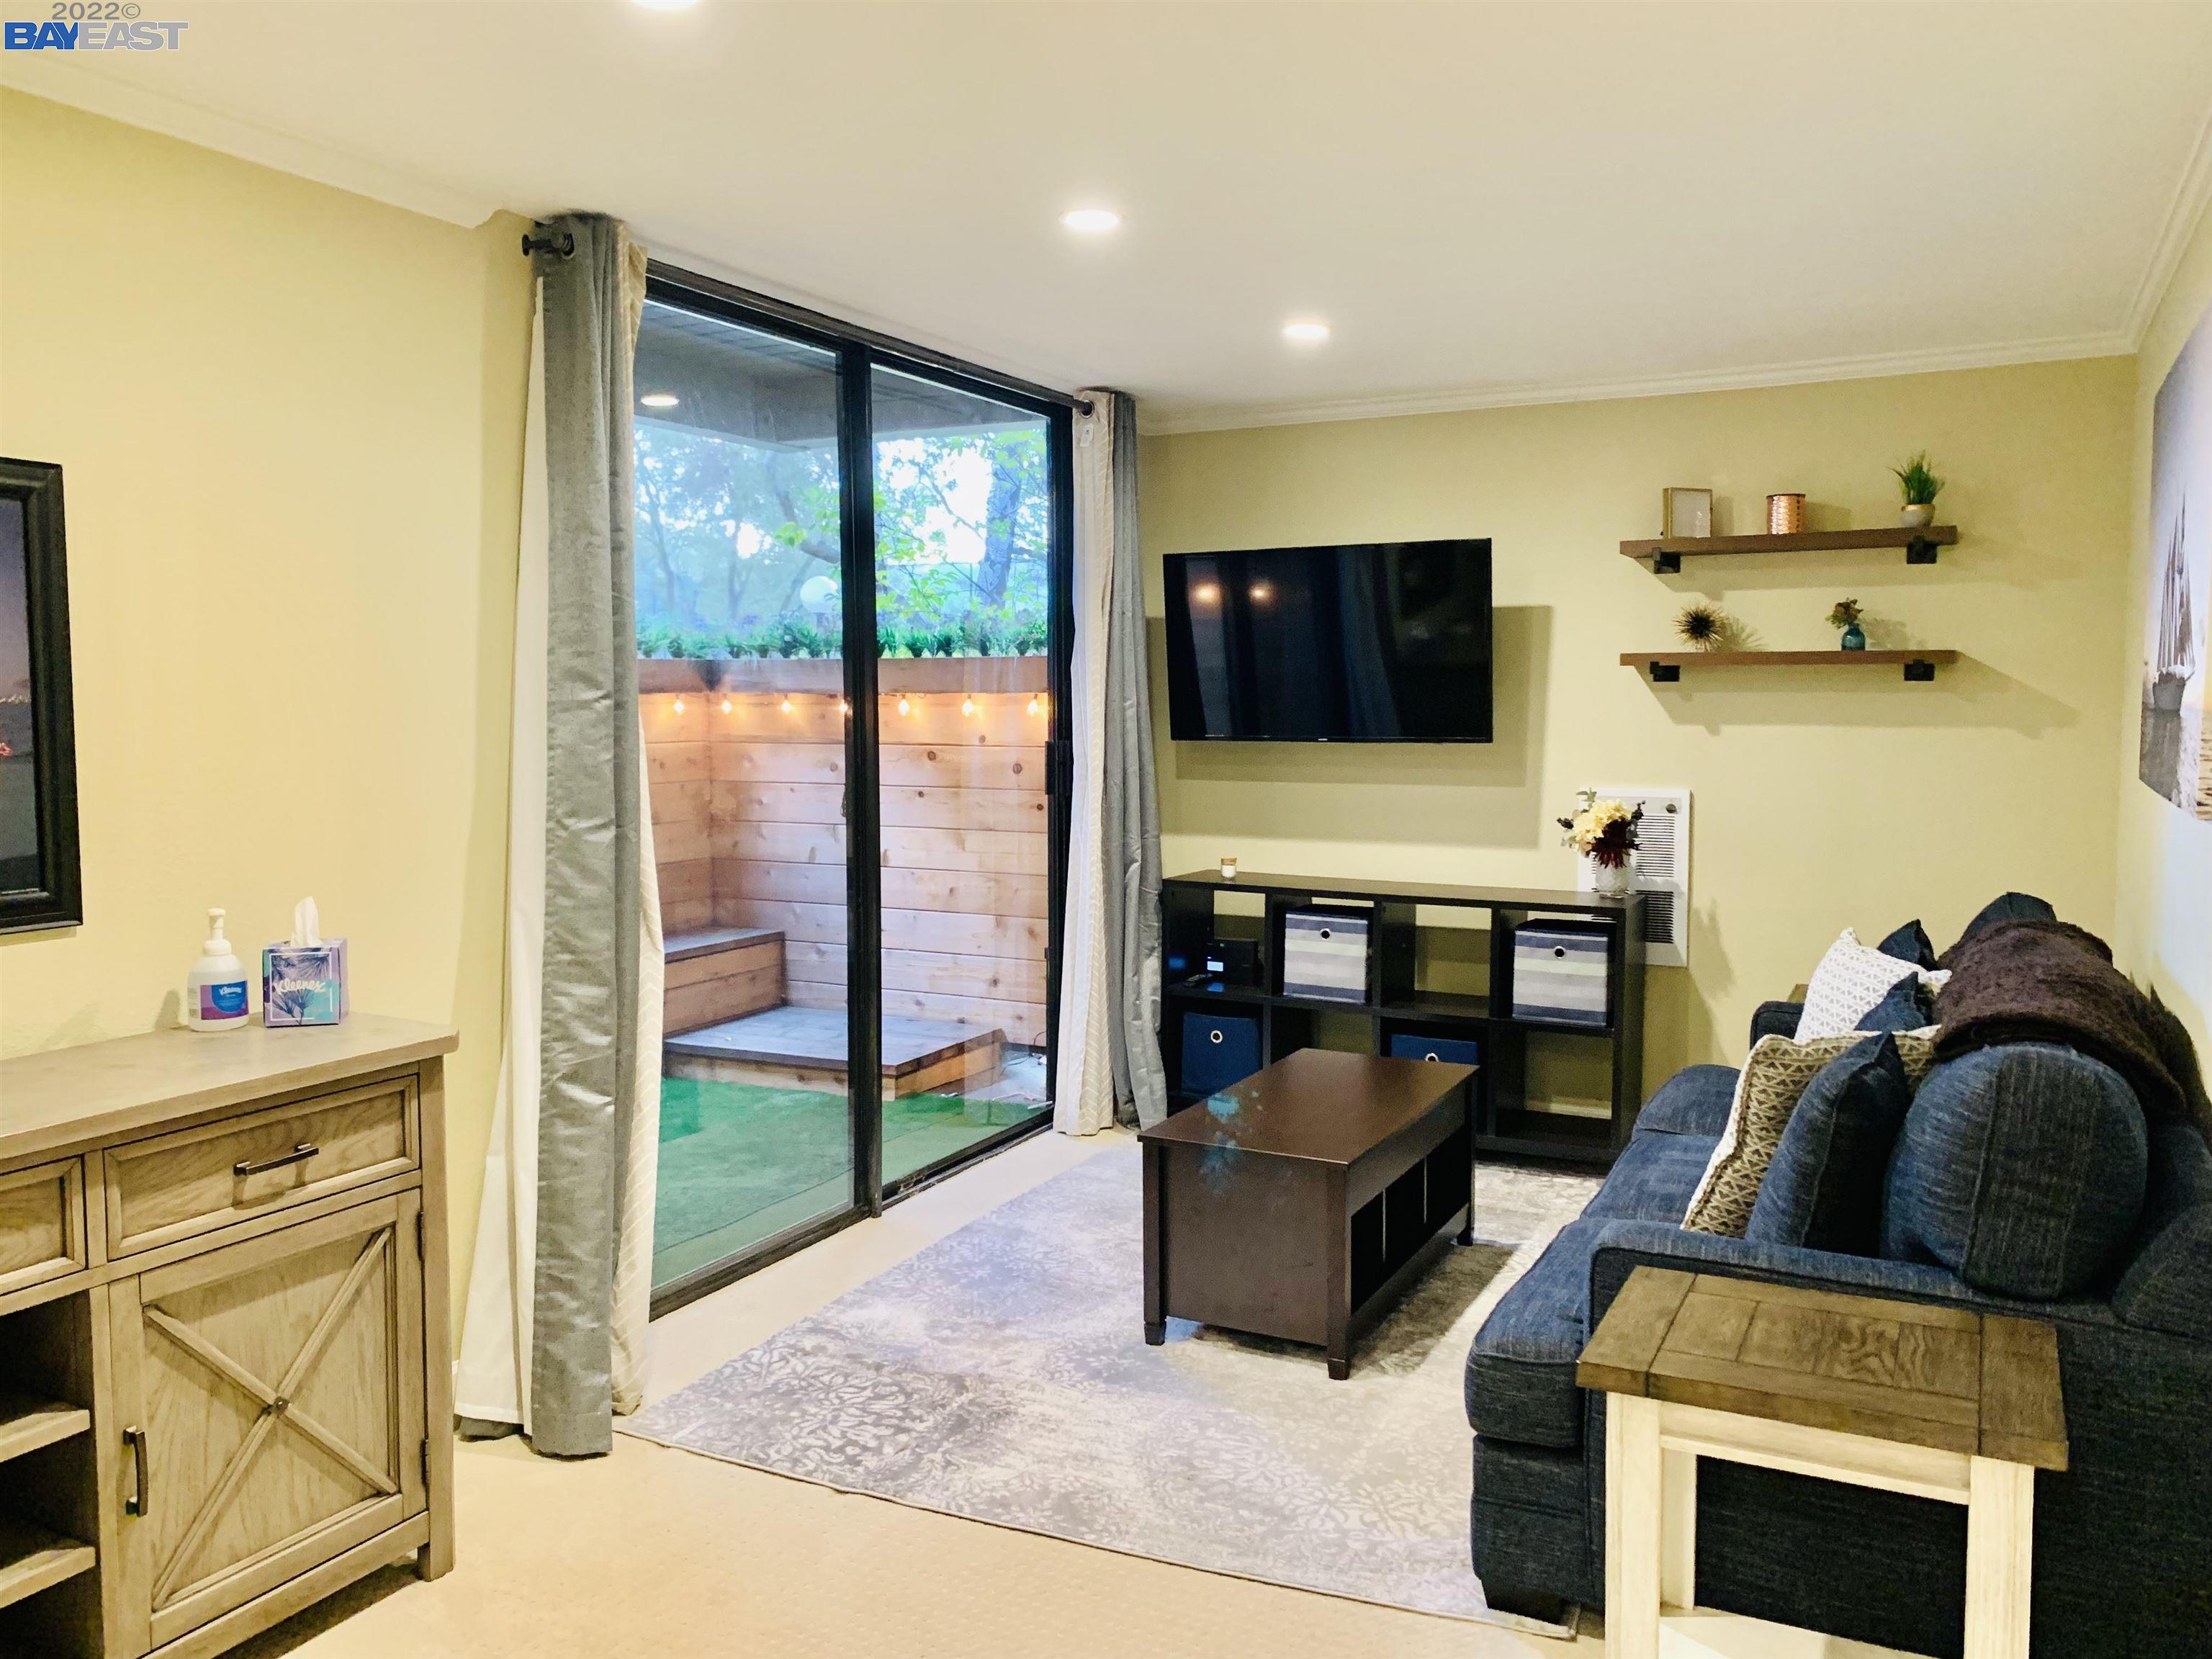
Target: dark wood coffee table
[(1303, 1202)]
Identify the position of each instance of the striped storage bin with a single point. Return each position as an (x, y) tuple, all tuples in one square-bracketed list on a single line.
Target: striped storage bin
[(1325, 955), (1559, 972)]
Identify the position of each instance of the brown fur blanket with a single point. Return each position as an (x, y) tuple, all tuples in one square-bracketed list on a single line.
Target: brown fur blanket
[(2050, 982)]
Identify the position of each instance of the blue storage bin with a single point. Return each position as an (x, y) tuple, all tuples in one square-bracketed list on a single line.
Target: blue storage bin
[(1451, 1051), (1218, 1050)]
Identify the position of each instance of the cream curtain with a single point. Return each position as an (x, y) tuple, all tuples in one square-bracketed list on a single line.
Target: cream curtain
[(554, 1341)]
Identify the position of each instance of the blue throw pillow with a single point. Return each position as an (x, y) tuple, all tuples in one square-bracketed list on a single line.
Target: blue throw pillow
[(2007, 907), (2021, 1168), (1905, 1008), (1909, 944), (1824, 1188)]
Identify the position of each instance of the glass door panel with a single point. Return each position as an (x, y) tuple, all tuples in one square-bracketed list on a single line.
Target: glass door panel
[(963, 529), (737, 559)]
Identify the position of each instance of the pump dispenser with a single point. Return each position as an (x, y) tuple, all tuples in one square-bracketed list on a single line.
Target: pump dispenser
[(214, 990)]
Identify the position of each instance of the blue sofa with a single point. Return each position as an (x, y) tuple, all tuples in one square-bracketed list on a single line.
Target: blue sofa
[(2124, 1537)]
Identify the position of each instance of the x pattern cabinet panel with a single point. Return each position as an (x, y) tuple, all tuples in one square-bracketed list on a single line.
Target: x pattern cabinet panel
[(223, 1333)]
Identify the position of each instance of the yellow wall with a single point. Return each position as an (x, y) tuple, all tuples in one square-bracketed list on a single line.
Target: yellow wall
[(291, 425), (2163, 929), (1822, 798)]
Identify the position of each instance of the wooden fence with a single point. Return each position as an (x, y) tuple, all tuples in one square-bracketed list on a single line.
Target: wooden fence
[(748, 787)]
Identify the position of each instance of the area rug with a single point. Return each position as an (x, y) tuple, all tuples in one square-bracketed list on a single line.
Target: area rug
[(1001, 1374)]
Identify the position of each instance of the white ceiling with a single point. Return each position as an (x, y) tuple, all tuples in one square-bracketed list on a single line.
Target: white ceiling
[(1490, 203)]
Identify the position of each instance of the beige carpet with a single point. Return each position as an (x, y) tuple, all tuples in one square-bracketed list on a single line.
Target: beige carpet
[(658, 1554)]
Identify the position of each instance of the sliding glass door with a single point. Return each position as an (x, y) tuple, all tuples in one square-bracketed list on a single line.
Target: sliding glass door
[(851, 630), (963, 580)]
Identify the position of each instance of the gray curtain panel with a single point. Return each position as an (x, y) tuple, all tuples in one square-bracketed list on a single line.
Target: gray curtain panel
[(588, 1039), (1130, 837)]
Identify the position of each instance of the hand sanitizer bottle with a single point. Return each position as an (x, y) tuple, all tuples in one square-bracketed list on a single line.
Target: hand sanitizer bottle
[(214, 991)]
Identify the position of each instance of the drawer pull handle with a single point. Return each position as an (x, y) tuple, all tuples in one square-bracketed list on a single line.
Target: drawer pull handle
[(299, 1154), (140, 1501)]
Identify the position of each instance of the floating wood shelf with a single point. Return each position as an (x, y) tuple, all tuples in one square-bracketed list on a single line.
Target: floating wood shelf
[(32, 1560), (1665, 666), (1919, 543), (26, 1423)]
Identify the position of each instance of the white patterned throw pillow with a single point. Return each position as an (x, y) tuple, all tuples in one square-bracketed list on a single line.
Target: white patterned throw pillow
[(1849, 981)]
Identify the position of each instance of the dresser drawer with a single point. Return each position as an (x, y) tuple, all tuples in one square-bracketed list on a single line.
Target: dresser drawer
[(175, 1186), (41, 1223)]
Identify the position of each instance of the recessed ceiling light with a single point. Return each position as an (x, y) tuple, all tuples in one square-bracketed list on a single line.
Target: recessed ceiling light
[(657, 399), (1305, 332), (1092, 220)]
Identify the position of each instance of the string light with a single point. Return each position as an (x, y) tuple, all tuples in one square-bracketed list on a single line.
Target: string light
[(966, 705), (1036, 705), (845, 705), (725, 705), (786, 705), (906, 705), (679, 705)]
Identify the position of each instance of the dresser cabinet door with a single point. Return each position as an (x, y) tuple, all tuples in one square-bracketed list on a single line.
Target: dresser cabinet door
[(270, 1393)]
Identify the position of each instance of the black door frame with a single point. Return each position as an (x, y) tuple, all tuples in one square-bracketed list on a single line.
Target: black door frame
[(859, 351)]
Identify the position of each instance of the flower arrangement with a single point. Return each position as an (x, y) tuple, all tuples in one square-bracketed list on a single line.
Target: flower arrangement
[(1706, 626), (1602, 831), (1846, 614)]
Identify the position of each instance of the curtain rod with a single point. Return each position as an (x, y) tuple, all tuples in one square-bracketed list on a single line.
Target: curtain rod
[(562, 245)]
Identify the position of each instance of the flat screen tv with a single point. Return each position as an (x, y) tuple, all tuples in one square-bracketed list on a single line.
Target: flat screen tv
[(1383, 642)]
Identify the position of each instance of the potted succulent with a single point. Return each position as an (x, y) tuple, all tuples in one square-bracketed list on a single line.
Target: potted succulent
[(1921, 488), (1604, 832), (1846, 617)]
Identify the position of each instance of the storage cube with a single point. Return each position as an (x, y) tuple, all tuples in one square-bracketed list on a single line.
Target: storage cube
[(1218, 1050), (1560, 973), (1325, 955), (1451, 1051)]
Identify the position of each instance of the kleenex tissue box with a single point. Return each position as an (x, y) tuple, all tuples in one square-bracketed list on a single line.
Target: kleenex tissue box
[(303, 984)]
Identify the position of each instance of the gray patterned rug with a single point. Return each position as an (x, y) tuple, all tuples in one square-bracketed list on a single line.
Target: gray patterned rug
[(1001, 1374)]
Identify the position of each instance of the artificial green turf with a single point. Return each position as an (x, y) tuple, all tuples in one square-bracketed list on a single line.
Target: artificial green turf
[(740, 1162)]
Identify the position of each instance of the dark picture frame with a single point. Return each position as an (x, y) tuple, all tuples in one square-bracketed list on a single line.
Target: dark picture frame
[(39, 884)]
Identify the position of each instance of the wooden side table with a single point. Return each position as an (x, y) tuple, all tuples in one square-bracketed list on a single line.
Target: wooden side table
[(1940, 1403)]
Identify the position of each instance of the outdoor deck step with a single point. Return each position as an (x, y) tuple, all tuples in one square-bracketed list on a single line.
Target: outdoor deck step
[(709, 941)]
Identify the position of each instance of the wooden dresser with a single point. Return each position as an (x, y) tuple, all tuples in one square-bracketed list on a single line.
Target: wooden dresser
[(225, 1377)]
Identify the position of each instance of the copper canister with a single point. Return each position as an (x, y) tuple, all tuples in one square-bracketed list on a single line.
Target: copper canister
[(1785, 515)]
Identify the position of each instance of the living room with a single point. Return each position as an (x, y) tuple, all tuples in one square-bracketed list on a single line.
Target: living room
[(1415, 852)]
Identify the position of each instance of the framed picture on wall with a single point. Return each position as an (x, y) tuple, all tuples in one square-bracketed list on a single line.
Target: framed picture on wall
[(2176, 745), (38, 883)]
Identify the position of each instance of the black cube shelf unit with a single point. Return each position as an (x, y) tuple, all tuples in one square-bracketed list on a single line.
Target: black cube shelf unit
[(1395, 1004)]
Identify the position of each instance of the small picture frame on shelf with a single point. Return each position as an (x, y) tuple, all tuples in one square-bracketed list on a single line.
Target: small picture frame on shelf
[(1686, 513)]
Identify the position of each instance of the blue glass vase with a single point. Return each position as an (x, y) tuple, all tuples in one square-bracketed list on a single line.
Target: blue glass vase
[(1854, 638)]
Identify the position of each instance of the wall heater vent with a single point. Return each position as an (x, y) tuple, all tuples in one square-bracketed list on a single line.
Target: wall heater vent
[(1662, 865)]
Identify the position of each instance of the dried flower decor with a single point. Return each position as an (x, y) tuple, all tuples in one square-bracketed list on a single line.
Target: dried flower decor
[(1705, 627), (1846, 614), (1602, 831)]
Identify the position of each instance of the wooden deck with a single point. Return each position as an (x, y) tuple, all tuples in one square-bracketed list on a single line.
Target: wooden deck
[(795, 1048)]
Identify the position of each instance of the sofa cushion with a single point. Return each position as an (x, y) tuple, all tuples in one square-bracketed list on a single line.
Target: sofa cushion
[(1774, 1079), (1653, 1178), (2021, 1168), (1851, 980), (2006, 907), (1909, 944), (1905, 1008), (1823, 1189), (2168, 1285), (1693, 1102), (1521, 1372)]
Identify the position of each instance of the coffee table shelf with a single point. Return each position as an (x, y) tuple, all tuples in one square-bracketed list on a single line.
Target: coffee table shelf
[(1397, 1005)]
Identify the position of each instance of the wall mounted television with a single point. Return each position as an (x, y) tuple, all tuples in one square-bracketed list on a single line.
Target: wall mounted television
[(1380, 642)]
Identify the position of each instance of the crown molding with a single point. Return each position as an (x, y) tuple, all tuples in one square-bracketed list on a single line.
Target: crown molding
[(159, 112), (1872, 366), (2190, 197)]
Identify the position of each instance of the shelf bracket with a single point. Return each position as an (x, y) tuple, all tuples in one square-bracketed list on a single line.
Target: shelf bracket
[(1664, 672), (1664, 563), (1920, 550), (1920, 669)]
